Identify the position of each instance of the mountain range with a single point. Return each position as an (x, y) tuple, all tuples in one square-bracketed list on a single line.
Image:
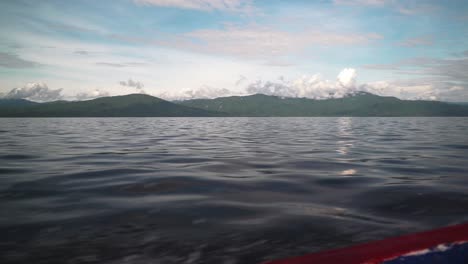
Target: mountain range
[(133, 105), (140, 105)]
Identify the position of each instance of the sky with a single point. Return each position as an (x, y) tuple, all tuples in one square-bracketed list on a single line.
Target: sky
[(181, 49)]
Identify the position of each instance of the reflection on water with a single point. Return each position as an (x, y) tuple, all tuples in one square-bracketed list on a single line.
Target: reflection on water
[(348, 172), (222, 190), (344, 133)]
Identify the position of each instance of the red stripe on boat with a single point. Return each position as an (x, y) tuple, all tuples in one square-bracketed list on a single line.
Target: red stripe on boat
[(383, 250)]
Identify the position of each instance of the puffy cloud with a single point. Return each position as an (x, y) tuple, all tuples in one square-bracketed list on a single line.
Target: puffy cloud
[(132, 83), (207, 92), (278, 88), (316, 87), (347, 77), (204, 92), (91, 95), (9, 60), (35, 92), (202, 5)]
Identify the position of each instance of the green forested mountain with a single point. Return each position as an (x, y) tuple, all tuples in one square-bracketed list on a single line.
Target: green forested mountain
[(361, 104), (138, 105), (133, 105), (15, 102)]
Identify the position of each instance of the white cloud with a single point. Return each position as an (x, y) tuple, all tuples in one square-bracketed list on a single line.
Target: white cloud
[(316, 87), (312, 86), (91, 95), (347, 77), (279, 88), (204, 92), (255, 42), (202, 5), (35, 92), (408, 91), (131, 83)]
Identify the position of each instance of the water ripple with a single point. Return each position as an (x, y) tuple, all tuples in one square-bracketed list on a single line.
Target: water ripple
[(222, 190)]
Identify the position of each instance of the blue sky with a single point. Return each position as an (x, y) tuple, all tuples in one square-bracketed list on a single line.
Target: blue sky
[(411, 49)]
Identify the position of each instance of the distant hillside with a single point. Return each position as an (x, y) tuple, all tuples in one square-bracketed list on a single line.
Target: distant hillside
[(134, 105), (460, 103), (361, 104), (138, 105), (15, 102)]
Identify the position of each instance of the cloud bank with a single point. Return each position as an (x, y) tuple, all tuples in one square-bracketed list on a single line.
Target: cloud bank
[(316, 87), (204, 92), (35, 92), (308, 86)]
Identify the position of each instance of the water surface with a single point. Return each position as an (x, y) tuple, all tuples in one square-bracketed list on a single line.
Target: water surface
[(222, 190)]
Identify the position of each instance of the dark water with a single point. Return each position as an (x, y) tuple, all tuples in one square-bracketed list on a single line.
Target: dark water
[(222, 190)]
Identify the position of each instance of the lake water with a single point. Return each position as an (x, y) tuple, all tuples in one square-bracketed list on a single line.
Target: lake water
[(222, 190)]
